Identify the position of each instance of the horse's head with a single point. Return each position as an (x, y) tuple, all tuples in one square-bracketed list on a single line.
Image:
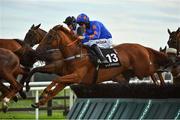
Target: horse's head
[(34, 35), (174, 39), (57, 38)]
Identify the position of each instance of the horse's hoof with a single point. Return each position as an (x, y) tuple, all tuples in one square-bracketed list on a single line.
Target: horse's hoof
[(15, 98), (5, 109), (23, 95), (27, 88), (35, 105)]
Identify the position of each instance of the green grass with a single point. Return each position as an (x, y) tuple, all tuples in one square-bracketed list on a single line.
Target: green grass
[(57, 114), (30, 115)]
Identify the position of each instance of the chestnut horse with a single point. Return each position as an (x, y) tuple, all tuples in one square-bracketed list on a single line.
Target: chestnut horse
[(10, 68), (142, 61), (53, 58), (25, 53), (21, 49)]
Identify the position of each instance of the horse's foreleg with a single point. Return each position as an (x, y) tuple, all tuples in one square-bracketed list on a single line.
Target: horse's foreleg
[(50, 95), (60, 83), (47, 90), (67, 79)]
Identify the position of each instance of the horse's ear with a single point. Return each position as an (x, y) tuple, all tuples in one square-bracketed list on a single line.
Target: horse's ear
[(169, 31), (162, 50), (37, 26), (32, 26)]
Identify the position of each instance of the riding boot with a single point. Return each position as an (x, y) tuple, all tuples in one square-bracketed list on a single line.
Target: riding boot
[(99, 54)]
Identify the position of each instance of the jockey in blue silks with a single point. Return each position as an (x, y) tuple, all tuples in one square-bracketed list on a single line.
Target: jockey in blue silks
[(96, 35)]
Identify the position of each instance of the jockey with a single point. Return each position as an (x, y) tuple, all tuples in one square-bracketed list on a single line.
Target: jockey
[(73, 26), (96, 35)]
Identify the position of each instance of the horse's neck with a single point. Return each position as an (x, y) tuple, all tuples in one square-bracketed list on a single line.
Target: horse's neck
[(71, 51), (68, 49), (42, 33)]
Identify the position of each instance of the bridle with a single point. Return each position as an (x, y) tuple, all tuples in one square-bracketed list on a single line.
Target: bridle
[(61, 47)]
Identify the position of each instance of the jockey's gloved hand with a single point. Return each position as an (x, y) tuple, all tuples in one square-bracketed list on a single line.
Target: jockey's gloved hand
[(81, 37)]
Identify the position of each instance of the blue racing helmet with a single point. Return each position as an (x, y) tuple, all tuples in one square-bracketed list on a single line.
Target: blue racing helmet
[(82, 18)]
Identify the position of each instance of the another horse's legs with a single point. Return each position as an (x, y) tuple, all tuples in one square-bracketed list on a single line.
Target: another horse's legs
[(15, 85), (23, 72), (154, 79), (4, 90), (161, 78)]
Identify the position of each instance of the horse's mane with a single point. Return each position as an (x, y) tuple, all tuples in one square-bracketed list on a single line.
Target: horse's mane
[(20, 42), (42, 30), (65, 30)]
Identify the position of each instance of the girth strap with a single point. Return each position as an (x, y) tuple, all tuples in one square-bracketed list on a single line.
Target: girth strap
[(96, 73)]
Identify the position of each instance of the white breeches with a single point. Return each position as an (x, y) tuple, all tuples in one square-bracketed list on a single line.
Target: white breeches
[(102, 43)]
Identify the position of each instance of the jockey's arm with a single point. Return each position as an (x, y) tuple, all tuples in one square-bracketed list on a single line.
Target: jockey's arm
[(96, 33)]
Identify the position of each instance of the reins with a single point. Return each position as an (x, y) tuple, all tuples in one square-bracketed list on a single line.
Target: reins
[(67, 45), (72, 43)]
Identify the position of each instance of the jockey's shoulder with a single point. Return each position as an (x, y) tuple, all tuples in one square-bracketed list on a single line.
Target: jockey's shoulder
[(95, 23)]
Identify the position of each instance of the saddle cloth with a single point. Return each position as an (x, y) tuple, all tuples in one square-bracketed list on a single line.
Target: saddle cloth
[(110, 54)]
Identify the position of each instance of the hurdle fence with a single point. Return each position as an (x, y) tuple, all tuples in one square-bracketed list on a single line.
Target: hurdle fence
[(36, 87)]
